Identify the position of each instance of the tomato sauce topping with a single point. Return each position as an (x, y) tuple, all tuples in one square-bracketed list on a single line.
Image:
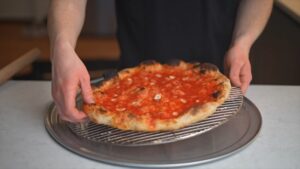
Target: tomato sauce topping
[(162, 94)]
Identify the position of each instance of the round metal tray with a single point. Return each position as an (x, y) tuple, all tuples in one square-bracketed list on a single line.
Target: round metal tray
[(213, 145), (105, 134)]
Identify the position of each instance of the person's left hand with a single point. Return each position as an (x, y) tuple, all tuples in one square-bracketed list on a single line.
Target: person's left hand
[(237, 67)]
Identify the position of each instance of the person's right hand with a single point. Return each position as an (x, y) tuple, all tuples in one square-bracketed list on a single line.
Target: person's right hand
[(68, 75)]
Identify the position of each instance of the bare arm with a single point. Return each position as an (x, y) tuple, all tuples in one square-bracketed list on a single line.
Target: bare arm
[(65, 22), (252, 17)]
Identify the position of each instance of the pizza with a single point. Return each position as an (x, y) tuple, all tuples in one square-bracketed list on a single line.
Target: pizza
[(158, 97)]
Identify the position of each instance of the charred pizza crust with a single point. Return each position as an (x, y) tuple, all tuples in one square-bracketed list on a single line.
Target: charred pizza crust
[(127, 120)]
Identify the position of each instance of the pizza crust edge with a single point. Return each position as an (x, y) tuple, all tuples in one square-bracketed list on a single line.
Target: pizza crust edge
[(130, 121)]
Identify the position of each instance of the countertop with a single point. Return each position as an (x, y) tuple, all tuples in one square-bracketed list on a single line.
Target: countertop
[(25, 144)]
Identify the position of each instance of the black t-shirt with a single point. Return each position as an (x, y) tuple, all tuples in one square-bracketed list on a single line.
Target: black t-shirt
[(192, 30)]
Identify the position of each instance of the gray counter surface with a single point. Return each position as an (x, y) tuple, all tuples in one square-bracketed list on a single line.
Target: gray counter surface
[(24, 142)]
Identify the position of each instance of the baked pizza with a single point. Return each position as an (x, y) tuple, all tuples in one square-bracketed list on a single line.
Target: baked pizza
[(158, 97)]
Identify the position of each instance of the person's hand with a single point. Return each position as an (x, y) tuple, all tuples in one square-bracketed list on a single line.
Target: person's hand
[(237, 67), (68, 75)]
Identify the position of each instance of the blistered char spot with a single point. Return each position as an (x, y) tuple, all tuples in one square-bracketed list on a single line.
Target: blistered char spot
[(126, 71), (102, 110), (148, 62), (202, 71), (209, 66), (131, 116), (196, 64), (194, 110), (216, 94), (173, 62), (110, 74)]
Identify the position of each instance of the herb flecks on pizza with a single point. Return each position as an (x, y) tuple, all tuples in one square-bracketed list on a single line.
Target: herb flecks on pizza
[(159, 97)]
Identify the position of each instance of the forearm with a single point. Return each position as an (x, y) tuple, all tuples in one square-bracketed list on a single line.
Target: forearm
[(252, 17), (65, 20)]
